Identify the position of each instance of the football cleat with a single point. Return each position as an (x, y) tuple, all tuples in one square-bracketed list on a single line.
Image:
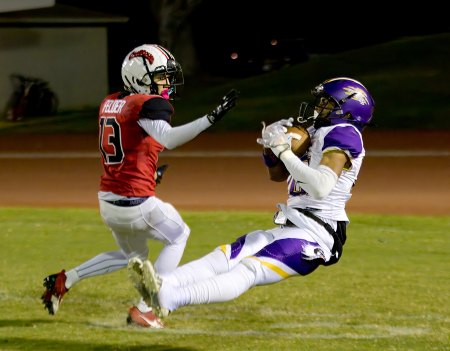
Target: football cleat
[(146, 320), (135, 272), (147, 283), (55, 289), (152, 283)]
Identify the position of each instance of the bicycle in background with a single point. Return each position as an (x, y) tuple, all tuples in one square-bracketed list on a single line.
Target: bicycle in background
[(31, 97)]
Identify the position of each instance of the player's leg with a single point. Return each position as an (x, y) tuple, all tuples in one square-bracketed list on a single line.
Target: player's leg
[(57, 285), (220, 288), (219, 261), (133, 227), (212, 265), (161, 221), (217, 277), (135, 245), (106, 262), (280, 259)]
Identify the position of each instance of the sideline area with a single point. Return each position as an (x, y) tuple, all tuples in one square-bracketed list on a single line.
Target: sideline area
[(403, 173)]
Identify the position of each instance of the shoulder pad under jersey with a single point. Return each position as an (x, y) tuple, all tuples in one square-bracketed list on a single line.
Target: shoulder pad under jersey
[(344, 137), (157, 108)]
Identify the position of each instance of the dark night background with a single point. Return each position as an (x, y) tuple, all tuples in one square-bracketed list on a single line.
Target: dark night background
[(326, 27), (306, 28)]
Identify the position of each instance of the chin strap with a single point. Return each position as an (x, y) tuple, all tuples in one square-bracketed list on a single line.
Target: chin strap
[(321, 122)]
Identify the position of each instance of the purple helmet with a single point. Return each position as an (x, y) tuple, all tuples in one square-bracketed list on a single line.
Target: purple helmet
[(340, 100)]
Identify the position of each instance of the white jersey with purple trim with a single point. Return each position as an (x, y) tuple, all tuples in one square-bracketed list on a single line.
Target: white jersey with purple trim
[(344, 137)]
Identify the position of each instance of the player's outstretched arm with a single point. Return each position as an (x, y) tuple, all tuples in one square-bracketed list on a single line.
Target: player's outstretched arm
[(172, 137)]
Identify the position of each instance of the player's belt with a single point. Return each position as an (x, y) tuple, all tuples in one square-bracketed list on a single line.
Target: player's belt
[(128, 202), (309, 214)]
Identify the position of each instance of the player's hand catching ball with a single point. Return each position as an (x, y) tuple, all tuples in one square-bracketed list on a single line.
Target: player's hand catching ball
[(227, 103), (274, 136), (282, 135)]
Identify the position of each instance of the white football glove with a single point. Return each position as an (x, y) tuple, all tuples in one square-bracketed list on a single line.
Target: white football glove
[(274, 136)]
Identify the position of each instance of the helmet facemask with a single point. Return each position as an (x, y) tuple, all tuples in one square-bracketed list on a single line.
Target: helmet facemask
[(169, 77), (306, 115), (174, 76), (317, 113)]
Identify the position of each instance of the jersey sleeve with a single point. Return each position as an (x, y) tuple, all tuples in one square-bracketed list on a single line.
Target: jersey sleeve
[(345, 138), (156, 108)]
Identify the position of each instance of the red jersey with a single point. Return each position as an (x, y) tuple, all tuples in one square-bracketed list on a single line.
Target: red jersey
[(129, 154)]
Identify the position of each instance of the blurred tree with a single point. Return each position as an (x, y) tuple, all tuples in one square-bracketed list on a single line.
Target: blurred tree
[(175, 32)]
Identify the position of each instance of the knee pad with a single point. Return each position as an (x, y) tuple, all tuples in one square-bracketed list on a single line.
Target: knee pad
[(184, 236)]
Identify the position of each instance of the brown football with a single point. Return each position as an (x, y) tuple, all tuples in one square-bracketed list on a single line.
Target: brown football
[(300, 140)]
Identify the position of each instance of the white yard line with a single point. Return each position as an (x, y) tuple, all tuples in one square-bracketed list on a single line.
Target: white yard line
[(359, 332), (210, 154)]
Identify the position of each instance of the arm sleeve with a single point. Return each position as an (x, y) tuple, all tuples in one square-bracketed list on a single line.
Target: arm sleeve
[(172, 137), (316, 182)]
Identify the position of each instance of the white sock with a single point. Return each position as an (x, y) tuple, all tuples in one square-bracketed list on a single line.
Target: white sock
[(142, 306), (71, 278), (103, 263)]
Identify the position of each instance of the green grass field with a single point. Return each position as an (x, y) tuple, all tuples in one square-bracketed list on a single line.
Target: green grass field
[(390, 291)]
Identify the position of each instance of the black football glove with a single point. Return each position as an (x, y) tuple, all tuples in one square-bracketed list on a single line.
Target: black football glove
[(227, 103), (159, 173)]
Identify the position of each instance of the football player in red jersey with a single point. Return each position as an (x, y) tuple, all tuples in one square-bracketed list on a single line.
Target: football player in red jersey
[(134, 127)]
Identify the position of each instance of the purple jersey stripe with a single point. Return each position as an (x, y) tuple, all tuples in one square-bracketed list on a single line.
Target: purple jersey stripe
[(344, 138)]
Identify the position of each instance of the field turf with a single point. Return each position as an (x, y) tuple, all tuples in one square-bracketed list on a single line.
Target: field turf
[(390, 291)]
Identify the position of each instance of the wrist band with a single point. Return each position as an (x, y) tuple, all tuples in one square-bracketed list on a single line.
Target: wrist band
[(279, 155)]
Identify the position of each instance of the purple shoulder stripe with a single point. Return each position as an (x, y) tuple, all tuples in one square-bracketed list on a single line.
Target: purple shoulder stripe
[(345, 138)]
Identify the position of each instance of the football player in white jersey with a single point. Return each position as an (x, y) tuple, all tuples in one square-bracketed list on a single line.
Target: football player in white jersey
[(311, 226)]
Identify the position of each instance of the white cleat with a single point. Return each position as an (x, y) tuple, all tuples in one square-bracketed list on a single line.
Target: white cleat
[(135, 273), (152, 284)]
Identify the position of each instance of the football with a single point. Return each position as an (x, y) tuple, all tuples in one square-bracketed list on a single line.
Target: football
[(301, 140)]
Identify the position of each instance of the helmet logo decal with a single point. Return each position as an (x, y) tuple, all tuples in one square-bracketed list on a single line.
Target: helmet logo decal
[(144, 54), (357, 94)]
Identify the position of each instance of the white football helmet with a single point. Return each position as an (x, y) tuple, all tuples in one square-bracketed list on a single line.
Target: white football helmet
[(143, 62)]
